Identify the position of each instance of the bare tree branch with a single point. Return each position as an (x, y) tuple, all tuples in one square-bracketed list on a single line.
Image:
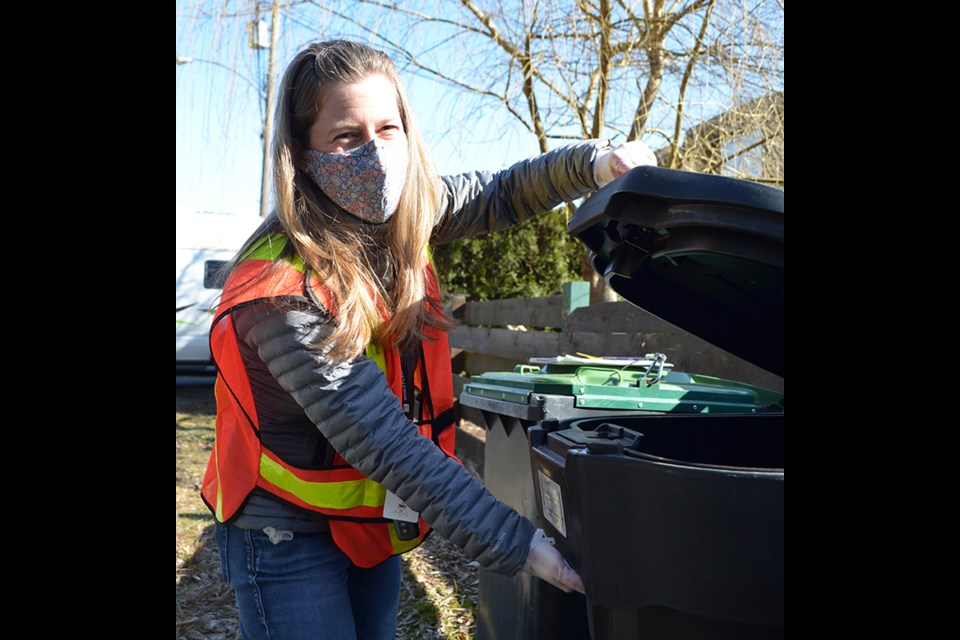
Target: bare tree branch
[(739, 152), (651, 69), (655, 58), (694, 56), (531, 97), (515, 52), (434, 72), (673, 17), (603, 68), (585, 8), (420, 16), (493, 32), (629, 11)]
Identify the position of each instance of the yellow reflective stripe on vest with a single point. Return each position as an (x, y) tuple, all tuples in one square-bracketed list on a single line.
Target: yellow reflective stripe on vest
[(216, 454), (377, 354), (219, 505), (347, 494), (270, 247), (325, 495)]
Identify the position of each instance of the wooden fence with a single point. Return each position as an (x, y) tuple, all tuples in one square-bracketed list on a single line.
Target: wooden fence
[(496, 335)]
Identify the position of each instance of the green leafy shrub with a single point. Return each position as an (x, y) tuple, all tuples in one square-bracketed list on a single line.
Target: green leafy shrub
[(532, 259)]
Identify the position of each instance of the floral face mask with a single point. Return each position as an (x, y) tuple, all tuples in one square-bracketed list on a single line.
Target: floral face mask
[(366, 181)]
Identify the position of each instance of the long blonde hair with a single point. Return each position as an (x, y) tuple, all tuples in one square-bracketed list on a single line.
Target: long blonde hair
[(349, 256)]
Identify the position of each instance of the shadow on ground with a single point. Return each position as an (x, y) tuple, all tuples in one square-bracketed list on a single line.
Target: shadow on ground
[(205, 605)]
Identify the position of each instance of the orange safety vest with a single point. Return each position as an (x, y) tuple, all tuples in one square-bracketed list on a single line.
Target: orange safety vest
[(239, 461)]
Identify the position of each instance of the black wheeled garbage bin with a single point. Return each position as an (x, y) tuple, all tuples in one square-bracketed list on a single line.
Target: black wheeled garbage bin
[(675, 521), (566, 387)]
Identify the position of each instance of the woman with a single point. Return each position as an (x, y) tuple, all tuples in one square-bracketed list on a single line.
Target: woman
[(335, 422)]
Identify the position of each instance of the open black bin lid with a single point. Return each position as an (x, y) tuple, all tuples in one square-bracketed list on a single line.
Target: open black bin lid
[(702, 252)]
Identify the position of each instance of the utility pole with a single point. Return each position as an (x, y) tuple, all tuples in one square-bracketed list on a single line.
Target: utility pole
[(265, 180)]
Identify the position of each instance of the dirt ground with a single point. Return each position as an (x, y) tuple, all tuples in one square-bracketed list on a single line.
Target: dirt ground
[(439, 584)]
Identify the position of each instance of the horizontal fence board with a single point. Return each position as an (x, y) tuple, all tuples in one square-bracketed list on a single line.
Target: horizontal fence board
[(504, 343), (529, 312), (616, 317), (685, 351), (689, 353), (601, 344), (606, 329), (482, 362)]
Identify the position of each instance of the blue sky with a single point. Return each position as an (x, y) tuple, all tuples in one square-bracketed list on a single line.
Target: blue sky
[(220, 117)]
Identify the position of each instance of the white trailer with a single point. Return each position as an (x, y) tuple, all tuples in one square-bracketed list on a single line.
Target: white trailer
[(205, 242)]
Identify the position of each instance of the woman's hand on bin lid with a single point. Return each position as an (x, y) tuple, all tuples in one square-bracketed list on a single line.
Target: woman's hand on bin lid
[(546, 563), (613, 163)]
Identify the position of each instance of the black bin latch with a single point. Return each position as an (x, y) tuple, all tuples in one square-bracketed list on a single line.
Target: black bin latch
[(611, 438)]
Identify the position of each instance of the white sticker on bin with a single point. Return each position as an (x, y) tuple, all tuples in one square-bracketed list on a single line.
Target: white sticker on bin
[(396, 509), (552, 503)]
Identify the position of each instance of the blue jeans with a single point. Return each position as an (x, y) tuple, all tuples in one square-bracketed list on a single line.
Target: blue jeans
[(306, 588)]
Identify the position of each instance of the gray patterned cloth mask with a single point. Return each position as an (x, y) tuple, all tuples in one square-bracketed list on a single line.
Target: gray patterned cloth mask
[(366, 181)]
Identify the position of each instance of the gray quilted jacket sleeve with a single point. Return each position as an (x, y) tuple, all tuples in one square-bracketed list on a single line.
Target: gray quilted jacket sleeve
[(482, 202), (353, 407)]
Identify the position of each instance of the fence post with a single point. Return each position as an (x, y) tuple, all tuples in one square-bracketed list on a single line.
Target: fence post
[(455, 305), (575, 295)]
